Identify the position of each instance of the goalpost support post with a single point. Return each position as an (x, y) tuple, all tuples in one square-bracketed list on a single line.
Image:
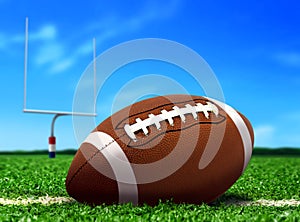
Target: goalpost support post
[(52, 139), (52, 147)]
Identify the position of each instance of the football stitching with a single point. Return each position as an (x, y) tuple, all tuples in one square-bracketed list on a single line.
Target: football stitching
[(168, 116), (175, 130), (157, 107), (86, 161)]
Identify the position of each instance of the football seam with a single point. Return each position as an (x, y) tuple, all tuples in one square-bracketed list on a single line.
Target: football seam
[(175, 130), (86, 161), (146, 111)]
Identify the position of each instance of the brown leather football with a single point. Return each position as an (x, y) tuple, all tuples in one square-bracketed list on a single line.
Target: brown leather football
[(190, 149)]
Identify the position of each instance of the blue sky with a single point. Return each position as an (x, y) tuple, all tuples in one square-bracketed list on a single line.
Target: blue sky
[(253, 49)]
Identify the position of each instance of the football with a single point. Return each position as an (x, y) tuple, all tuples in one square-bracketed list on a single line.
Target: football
[(189, 149)]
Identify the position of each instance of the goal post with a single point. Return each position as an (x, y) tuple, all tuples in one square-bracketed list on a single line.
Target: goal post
[(56, 113)]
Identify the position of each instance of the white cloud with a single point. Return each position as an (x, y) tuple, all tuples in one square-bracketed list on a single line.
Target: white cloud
[(62, 65), (47, 32), (2, 41), (289, 128), (264, 135), (48, 53), (292, 116), (85, 48), (52, 55), (52, 52), (288, 58), (116, 25)]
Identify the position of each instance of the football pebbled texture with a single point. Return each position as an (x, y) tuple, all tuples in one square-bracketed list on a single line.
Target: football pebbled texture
[(190, 149)]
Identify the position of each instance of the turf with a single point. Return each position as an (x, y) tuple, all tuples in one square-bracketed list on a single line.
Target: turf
[(273, 178)]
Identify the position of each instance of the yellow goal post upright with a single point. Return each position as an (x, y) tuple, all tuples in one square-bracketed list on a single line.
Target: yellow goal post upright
[(52, 139)]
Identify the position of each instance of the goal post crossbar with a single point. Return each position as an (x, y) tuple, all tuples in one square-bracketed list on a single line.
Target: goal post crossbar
[(58, 112)]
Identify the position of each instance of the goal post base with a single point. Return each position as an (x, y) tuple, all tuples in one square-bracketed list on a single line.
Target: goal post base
[(52, 147)]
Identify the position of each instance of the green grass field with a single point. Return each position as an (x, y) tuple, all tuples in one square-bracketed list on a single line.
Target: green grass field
[(34, 176)]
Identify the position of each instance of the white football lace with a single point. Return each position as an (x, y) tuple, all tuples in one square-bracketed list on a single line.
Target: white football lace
[(168, 116)]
